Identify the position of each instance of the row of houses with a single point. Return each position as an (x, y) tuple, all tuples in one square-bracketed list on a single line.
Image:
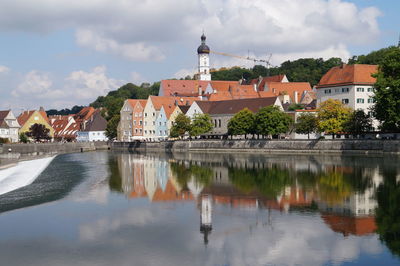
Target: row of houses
[(153, 118), (87, 125)]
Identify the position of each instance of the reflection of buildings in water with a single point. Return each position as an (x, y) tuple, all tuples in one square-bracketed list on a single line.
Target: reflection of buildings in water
[(350, 224), (293, 196), (195, 187), (206, 216), (359, 203)]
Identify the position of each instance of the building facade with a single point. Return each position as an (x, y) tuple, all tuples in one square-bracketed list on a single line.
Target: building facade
[(9, 126), (352, 85), (130, 126), (28, 118)]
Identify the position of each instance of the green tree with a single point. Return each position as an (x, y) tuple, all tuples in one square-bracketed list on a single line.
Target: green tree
[(373, 58), (180, 126), (201, 124), (242, 123), (359, 122), (332, 117), (306, 124), (23, 137), (39, 132), (112, 126), (387, 91), (272, 121)]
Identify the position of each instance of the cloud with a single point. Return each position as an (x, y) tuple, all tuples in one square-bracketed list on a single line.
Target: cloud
[(35, 84), (146, 30), (87, 85), (4, 69)]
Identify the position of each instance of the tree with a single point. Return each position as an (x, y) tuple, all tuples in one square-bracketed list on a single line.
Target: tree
[(306, 124), (23, 137), (332, 116), (242, 123), (39, 132), (201, 124), (387, 92), (272, 121), (359, 122), (112, 126), (180, 126)]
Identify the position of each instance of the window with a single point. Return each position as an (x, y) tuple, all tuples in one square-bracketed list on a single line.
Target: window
[(145, 132), (154, 114), (345, 101), (370, 89), (337, 90), (140, 130), (328, 91), (160, 123), (145, 114), (140, 122), (360, 100), (345, 89), (215, 123), (371, 100), (136, 130), (145, 123), (154, 123), (134, 122), (136, 114), (165, 123), (360, 89), (219, 122)]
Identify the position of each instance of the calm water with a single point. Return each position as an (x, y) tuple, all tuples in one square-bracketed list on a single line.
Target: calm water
[(105, 208)]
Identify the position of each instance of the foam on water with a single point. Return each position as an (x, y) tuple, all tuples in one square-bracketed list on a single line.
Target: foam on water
[(23, 174)]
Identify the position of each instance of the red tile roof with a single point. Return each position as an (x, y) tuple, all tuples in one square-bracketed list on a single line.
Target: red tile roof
[(261, 84), (133, 102), (289, 88), (24, 116), (350, 225), (348, 75), (170, 103), (178, 87)]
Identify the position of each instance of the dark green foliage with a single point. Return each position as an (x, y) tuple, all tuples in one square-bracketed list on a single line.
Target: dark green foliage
[(74, 110), (242, 123), (39, 132), (180, 126), (272, 121), (306, 123), (184, 173), (23, 138), (301, 70), (387, 91), (359, 122), (201, 124), (112, 125), (115, 99), (373, 58)]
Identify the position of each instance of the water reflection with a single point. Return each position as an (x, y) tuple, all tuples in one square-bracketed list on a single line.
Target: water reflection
[(341, 190)]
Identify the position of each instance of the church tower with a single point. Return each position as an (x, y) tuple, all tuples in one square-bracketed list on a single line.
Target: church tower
[(204, 60)]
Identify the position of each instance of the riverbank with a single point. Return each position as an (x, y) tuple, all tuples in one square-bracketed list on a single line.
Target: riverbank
[(268, 146), (12, 153)]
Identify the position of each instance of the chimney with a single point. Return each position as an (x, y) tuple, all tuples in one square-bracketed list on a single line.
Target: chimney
[(296, 97), (343, 65), (200, 91), (255, 87), (41, 109), (176, 102)]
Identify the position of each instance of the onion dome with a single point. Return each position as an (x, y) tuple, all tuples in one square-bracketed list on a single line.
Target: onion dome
[(203, 48)]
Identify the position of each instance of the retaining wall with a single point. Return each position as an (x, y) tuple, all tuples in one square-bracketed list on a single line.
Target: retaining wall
[(290, 146)]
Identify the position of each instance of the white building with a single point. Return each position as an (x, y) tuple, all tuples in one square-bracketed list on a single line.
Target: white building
[(203, 53), (9, 126), (350, 84), (93, 130)]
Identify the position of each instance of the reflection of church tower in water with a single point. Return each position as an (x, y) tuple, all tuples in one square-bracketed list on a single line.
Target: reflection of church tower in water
[(206, 216)]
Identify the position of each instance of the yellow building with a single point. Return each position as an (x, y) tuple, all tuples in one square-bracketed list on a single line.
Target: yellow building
[(28, 118)]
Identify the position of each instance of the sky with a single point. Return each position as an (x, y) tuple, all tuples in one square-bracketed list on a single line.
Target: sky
[(59, 53)]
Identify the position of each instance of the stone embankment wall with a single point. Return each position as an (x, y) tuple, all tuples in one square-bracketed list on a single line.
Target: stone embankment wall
[(281, 146), (51, 148)]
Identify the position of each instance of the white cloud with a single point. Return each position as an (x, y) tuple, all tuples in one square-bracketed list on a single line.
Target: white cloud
[(4, 69), (35, 83), (145, 30), (88, 85)]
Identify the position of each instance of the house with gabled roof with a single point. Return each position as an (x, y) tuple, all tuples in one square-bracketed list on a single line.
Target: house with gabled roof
[(152, 111), (94, 129), (130, 126), (9, 126), (28, 118), (222, 111), (353, 85), (260, 82)]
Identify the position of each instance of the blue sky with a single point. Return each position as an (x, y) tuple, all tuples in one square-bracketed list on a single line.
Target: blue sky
[(57, 54)]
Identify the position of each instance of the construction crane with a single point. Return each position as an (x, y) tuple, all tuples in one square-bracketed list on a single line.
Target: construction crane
[(255, 60)]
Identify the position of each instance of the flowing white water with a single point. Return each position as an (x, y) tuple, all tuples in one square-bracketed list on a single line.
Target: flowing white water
[(23, 174)]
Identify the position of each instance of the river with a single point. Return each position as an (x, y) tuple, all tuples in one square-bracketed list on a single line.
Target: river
[(107, 208)]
